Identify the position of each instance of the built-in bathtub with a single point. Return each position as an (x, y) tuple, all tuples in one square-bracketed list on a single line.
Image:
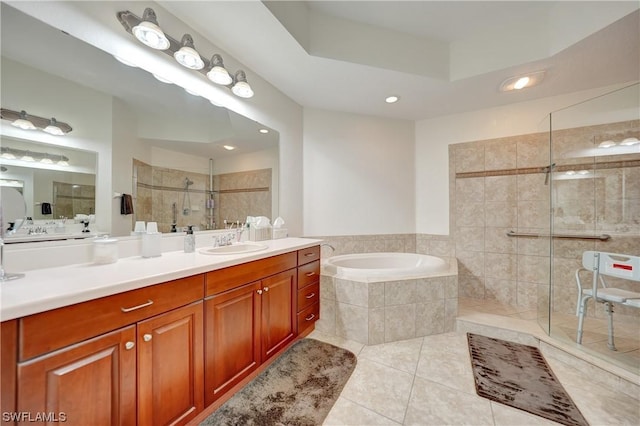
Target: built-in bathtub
[(376, 298)]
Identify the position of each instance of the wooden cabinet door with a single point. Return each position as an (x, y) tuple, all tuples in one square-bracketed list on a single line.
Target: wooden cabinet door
[(232, 345), (89, 383), (170, 366), (278, 323)]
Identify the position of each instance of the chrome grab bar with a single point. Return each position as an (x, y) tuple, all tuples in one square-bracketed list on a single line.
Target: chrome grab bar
[(603, 237)]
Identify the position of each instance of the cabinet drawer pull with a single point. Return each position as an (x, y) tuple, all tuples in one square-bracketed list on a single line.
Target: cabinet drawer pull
[(310, 317), (266, 289), (310, 274), (259, 291), (310, 296), (147, 337), (309, 254), (129, 345), (133, 308)]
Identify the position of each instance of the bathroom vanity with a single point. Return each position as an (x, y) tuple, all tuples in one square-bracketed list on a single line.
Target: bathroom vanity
[(152, 348)]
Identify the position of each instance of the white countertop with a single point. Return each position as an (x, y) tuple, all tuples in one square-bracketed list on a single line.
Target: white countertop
[(49, 288)]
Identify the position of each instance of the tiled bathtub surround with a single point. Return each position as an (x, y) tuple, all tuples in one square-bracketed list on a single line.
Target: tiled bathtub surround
[(380, 312), (435, 245)]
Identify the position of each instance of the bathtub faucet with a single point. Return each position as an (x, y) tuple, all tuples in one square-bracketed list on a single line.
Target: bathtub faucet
[(328, 245)]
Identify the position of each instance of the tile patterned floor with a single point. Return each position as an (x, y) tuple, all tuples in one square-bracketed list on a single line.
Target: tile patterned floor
[(428, 381)]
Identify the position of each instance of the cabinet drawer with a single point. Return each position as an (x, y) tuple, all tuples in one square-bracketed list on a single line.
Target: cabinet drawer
[(225, 279), (308, 274), (47, 331), (308, 316), (308, 296), (308, 255)]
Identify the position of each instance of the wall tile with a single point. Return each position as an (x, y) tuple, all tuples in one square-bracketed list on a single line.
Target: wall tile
[(502, 290), (469, 158), (430, 318), (399, 322), (500, 265), (501, 214), (399, 292), (470, 238), (352, 292), (428, 289), (500, 154), (352, 322), (501, 188), (376, 326)]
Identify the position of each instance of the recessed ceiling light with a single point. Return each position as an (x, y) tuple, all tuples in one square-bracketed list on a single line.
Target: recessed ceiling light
[(392, 99), (229, 147), (264, 131), (521, 81)]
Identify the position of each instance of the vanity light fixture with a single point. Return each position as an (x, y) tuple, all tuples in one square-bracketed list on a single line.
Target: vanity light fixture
[(187, 55), (23, 122), (26, 121), (606, 144), (31, 156), (630, 142), (146, 30), (162, 79), (392, 99), (53, 128), (125, 62), (522, 81), (149, 33), (240, 86), (218, 73)]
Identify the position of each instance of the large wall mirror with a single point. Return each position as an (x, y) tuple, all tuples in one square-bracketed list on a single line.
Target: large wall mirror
[(136, 135)]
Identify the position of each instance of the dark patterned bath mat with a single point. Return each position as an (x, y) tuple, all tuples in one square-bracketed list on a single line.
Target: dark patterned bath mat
[(518, 375), (299, 388)]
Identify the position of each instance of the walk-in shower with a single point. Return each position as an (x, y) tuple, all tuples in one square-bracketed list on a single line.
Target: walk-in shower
[(594, 192)]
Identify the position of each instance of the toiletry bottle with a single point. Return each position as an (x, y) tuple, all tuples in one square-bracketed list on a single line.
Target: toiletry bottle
[(190, 241)]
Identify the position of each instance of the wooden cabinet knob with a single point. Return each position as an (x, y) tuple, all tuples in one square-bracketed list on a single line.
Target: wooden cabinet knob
[(259, 291), (266, 289), (147, 337), (129, 345)]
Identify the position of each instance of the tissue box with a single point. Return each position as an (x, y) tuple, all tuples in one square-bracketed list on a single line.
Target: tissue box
[(280, 233), (259, 234)]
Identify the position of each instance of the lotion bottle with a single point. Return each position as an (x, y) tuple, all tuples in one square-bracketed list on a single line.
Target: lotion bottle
[(189, 241)]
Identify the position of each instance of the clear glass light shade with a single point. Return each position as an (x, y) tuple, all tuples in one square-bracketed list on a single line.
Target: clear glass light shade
[(242, 89), (151, 35), (46, 160), (8, 156), (219, 75), (63, 163), (188, 57), (27, 157)]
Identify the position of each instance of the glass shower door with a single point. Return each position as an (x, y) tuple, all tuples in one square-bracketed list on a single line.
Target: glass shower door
[(595, 205)]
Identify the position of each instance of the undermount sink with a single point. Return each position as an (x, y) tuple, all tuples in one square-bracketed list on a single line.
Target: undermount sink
[(234, 249)]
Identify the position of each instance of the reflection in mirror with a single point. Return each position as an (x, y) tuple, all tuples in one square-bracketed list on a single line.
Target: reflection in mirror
[(149, 136), (12, 214)]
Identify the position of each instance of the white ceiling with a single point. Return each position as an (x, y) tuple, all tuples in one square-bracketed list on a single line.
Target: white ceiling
[(439, 57)]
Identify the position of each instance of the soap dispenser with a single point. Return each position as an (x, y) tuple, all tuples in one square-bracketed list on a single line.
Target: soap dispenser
[(189, 241)]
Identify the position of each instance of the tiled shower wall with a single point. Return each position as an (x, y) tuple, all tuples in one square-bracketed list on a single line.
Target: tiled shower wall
[(236, 196), (499, 185)]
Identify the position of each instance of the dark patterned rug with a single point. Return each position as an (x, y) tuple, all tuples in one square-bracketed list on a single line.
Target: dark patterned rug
[(299, 388), (518, 375)]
